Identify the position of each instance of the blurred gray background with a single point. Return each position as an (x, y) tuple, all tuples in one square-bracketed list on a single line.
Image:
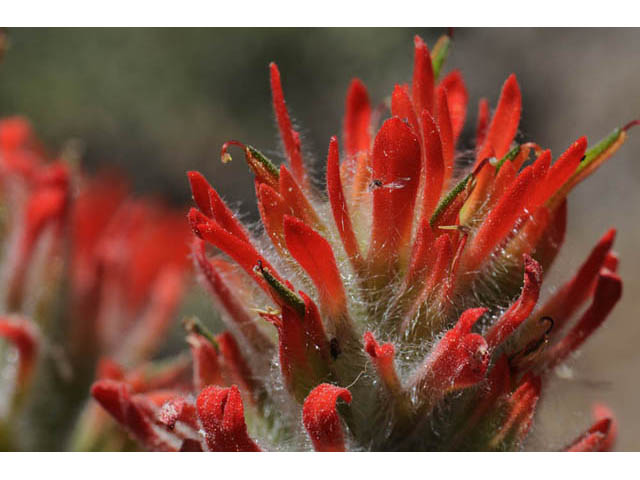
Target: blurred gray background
[(157, 102)]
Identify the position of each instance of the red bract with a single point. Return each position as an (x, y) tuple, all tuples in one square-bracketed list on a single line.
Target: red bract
[(428, 255)]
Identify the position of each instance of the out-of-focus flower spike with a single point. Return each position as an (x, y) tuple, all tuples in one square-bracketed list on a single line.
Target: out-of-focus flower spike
[(315, 256), (608, 292), (566, 301), (504, 123), (237, 364), (446, 134), (402, 107), (25, 336), (339, 206), (272, 211), (264, 170), (221, 415), (594, 439), (149, 331), (296, 199), (382, 357), (434, 164), (521, 408), (321, 419), (206, 367), (117, 399), (459, 360), (219, 287), (439, 54), (500, 220), (396, 173), (289, 136), (457, 98), (593, 158), (482, 123), (357, 119), (423, 77), (521, 309), (602, 412), (107, 369)]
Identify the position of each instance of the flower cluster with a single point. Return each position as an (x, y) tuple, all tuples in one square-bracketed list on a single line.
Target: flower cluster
[(404, 311), (88, 274)]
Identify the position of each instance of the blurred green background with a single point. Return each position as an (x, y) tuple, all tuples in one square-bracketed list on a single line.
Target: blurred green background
[(157, 102)]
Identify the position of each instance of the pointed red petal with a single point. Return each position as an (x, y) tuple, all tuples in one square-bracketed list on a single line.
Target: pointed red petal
[(289, 136), (563, 168), (315, 256), (357, 119), (434, 168), (506, 118), (321, 419), (272, 211), (522, 308), (339, 205), (482, 123), (593, 440), (608, 292), (602, 412), (446, 135), (396, 171), (575, 292), (200, 192), (402, 107), (295, 199), (457, 98), (422, 85), (221, 414)]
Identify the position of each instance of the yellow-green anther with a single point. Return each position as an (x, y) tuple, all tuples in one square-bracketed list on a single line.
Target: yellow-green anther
[(264, 161), (444, 203), (510, 155), (193, 325), (594, 152), (288, 296)]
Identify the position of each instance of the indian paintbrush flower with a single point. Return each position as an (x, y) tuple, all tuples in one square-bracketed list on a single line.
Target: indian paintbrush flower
[(405, 300)]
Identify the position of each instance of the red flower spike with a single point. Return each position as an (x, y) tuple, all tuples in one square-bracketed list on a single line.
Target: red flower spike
[(602, 412), (296, 200), (24, 335), (500, 220), (206, 367), (423, 81), (594, 439), (402, 107), (608, 292), (382, 357), (521, 309), (235, 361), (457, 98), (434, 166), (219, 286), (221, 414), (339, 205), (504, 123), (272, 211), (482, 123), (321, 419), (521, 408), (459, 360), (131, 411), (575, 292), (446, 135), (315, 256), (289, 136), (357, 119), (396, 171)]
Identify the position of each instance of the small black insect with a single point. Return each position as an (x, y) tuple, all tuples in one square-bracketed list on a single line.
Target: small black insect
[(334, 347)]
